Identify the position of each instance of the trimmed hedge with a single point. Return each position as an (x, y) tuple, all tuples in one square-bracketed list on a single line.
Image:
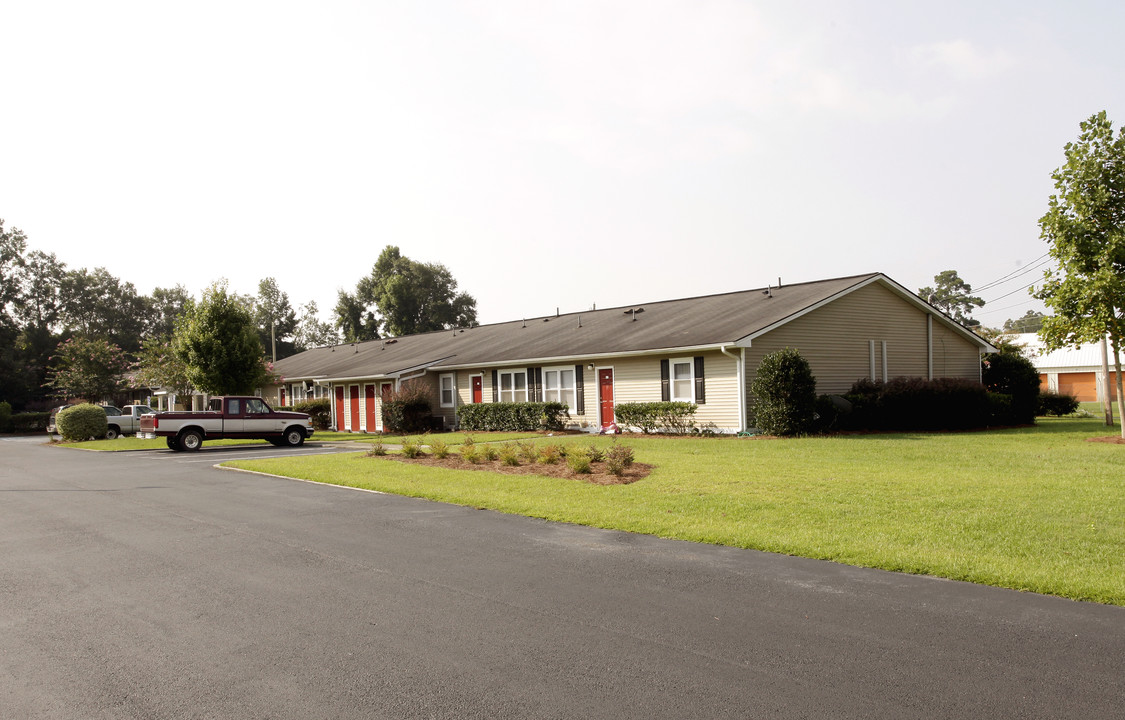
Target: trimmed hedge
[(1053, 403), (671, 417), (29, 422), (513, 416), (1013, 374), (319, 411), (913, 403), (82, 422)]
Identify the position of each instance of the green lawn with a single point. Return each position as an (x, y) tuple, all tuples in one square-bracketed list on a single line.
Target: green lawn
[(1035, 509)]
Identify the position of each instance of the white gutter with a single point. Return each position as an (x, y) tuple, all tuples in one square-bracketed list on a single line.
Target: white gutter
[(740, 367)]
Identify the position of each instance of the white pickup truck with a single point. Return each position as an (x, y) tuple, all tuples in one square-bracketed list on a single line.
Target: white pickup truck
[(241, 417), (125, 421)]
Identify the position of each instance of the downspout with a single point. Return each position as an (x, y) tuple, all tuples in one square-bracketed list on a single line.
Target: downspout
[(740, 372), (403, 378), (930, 346)]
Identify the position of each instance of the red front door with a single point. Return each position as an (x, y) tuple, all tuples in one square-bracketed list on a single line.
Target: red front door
[(605, 393), (353, 390), (478, 389), (339, 408), (369, 406)]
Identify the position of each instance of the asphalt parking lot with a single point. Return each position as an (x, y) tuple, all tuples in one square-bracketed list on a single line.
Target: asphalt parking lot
[(152, 585)]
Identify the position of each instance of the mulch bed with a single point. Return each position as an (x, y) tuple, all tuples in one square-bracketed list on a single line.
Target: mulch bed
[(597, 476), (1111, 439)]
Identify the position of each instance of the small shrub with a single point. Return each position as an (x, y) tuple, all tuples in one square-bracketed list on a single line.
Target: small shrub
[(378, 449), (82, 422), (785, 392), (618, 458), (439, 448), (510, 454), (550, 454), (595, 454), (412, 448), (579, 463), (407, 409), (471, 453), (490, 452), (1052, 403), (319, 411), (529, 453)]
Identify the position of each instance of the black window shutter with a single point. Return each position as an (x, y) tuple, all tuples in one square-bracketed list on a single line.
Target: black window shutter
[(700, 396), (579, 392), (495, 386), (665, 386), (534, 384)]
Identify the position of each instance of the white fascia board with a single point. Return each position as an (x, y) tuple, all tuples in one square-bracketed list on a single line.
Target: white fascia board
[(561, 359), (384, 376)]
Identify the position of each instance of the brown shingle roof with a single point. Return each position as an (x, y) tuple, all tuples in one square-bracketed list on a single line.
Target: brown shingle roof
[(707, 321)]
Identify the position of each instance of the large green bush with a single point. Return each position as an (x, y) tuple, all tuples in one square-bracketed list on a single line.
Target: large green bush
[(914, 403), (319, 411), (82, 422), (670, 417), (1013, 374), (785, 394), (1057, 404), (513, 417), (407, 410)]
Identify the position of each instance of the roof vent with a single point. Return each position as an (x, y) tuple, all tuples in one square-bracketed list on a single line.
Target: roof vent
[(634, 312), (392, 341)]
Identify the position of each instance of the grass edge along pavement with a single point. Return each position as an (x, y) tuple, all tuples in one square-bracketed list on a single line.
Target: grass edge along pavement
[(1037, 509), (124, 444)]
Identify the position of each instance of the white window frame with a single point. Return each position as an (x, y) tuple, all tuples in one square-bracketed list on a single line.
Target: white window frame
[(452, 389), (690, 362), (513, 393), (567, 395)]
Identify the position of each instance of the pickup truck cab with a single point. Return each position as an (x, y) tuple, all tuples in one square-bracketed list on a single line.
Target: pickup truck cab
[(125, 421), (239, 417)]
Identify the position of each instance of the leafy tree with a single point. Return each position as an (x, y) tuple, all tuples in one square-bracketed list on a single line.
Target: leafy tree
[(166, 305), (218, 343), (951, 295), (13, 243), (312, 331), (1085, 228), (99, 304), (88, 368), (785, 394), (158, 366), (1030, 322), (415, 297), (1010, 373), (41, 279), (354, 320), (275, 319)]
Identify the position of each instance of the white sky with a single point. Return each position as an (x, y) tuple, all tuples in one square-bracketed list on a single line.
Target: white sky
[(550, 154)]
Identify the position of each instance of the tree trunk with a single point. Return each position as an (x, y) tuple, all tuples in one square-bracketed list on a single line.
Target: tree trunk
[(1120, 394)]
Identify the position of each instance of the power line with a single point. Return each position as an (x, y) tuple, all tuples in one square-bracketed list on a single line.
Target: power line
[(1016, 273), (1025, 287)]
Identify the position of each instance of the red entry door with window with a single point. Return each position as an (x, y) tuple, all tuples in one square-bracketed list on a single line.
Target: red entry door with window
[(478, 389), (339, 408), (605, 393)]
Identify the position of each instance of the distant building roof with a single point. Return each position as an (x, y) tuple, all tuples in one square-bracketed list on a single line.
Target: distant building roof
[(1088, 355)]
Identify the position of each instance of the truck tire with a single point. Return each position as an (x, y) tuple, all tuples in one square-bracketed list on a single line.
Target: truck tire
[(112, 433), (190, 440), (294, 437)]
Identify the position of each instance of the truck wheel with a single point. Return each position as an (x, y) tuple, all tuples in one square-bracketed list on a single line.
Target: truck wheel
[(173, 443), (294, 437), (112, 433), (191, 440)]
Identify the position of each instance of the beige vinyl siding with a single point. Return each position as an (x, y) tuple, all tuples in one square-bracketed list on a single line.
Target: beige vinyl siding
[(836, 340), (637, 379)]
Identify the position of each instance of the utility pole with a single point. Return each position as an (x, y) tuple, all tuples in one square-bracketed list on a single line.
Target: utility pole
[(273, 343)]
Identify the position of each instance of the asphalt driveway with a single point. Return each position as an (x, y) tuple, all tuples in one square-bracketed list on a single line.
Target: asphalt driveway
[(131, 588)]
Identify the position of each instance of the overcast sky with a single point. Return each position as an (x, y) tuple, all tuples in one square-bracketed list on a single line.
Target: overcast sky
[(550, 154)]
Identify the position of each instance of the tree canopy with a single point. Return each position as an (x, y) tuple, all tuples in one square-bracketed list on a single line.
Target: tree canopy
[(952, 295), (411, 297), (87, 368), (1085, 229), (276, 319), (217, 341)]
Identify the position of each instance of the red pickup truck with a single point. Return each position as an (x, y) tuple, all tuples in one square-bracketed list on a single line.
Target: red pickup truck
[(240, 417)]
